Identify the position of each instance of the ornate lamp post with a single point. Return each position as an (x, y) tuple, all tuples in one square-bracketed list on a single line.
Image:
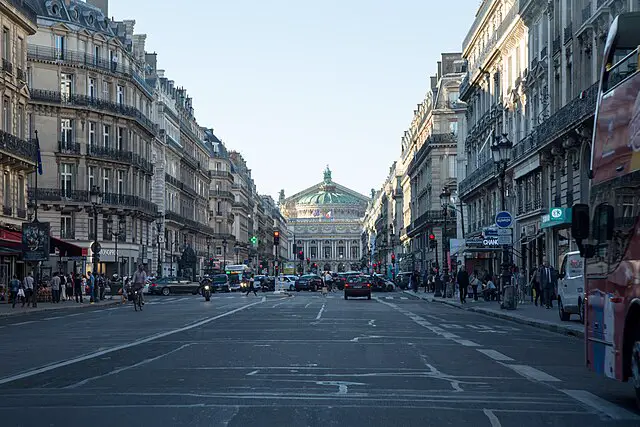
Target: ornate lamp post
[(224, 254), (95, 195), (159, 219), (501, 151), (122, 224), (444, 200)]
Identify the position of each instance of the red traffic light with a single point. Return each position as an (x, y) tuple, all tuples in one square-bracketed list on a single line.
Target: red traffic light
[(432, 236), (276, 234)]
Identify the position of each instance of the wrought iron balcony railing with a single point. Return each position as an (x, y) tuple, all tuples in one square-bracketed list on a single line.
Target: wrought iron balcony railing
[(82, 196), (15, 146), (84, 101), (109, 153), (68, 147), (484, 171), (221, 174)]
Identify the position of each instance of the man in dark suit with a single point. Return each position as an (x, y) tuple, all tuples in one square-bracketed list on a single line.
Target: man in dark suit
[(547, 279), (463, 284)]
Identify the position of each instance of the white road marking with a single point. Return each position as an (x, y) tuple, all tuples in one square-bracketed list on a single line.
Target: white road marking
[(387, 297), (533, 373), (603, 406), (308, 304), (495, 355), (253, 372), (53, 318), (51, 367), (320, 312), (372, 322), (404, 298), (343, 386), (124, 368), (468, 343), (24, 323), (495, 422)]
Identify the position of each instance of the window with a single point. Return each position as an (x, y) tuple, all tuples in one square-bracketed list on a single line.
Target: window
[(7, 190), (6, 44), (66, 227), (91, 173), (219, 208), (106, 91), (20, 52), (20, 133), (355, 252), (90, 228), (121, 132), (120, 182), (313, 252), (105, 180), (66, 179), (120, 92), (218, 251), (66, 85), (341, 251), (106, 129), (61, 45), (21, 187), (106, 233), (66, 132), (6, 115), (452, 167), (96, 55), (92, 133), (92, 88), (327, 252), (453, 127)]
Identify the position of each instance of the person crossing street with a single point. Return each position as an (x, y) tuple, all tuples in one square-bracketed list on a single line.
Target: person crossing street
[(251, 288)]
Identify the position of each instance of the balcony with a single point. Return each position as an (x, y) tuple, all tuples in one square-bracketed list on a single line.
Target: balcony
[(114, 154), (475, 178), (21, 213), (221, 194), (432, 217), (190, 160), (72, 57), (7, 66), (61, 196), (568, 117), (21, 75), (221, 174), (543, 52), (83, 101), (68, 147), (189, 223), (16, 147), (556, 45)]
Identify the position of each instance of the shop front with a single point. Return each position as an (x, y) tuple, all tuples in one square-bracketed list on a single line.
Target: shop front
[(557, 226), (482, 255), (530, 247)]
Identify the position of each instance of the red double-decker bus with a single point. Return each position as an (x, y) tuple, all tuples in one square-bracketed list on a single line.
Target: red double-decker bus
[(607, 230)]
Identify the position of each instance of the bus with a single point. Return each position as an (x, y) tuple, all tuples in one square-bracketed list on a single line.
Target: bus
[(607, 229), (238, 274)]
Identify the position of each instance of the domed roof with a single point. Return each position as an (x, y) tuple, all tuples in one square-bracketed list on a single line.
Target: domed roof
[(327, 194)]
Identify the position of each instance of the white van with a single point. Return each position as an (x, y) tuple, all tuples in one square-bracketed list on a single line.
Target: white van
[(571, 286)]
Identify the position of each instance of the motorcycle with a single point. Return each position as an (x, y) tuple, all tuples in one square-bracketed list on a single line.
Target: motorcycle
[(207, 292)]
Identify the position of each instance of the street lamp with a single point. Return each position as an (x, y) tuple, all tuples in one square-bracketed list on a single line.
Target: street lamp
[(236, 249), (159, 219), (224, 254), (501, 152), (95, 195), (444, 200), (122, 224)]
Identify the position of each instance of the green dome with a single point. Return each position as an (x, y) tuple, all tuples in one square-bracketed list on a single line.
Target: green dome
[(323, 197)]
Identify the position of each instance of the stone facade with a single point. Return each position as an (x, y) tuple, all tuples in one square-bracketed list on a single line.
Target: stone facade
[(325, 223)]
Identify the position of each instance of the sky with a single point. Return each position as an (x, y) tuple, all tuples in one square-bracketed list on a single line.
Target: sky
[(298, 85)]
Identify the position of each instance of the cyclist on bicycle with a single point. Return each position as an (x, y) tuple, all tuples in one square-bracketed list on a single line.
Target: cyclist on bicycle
[(139, 280)]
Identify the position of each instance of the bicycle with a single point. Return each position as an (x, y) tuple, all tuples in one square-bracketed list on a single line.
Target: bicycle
[(137, 300)]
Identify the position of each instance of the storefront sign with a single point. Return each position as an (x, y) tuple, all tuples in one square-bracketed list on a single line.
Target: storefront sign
[(35, 241), (556, 216), (482, 242)]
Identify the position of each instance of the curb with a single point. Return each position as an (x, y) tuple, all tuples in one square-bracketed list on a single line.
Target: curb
[(49, 309), (542, 324)]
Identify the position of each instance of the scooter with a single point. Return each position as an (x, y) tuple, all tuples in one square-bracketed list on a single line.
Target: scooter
[(207, 292)]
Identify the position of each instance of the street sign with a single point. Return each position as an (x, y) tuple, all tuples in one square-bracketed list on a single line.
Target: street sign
[(95, 247), (505, 231), (504, 219), (505, 240)]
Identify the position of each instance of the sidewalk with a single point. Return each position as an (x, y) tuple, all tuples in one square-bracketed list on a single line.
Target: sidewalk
[(527, 313), (6, 310)]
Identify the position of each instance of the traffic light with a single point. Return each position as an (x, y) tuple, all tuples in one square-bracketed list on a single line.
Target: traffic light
[(308, 261), (393, 258), (276, 238), (433, 244), (301, 255), (254, 240)]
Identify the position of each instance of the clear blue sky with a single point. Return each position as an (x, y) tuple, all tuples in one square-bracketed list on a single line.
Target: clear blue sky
[(295, 85)]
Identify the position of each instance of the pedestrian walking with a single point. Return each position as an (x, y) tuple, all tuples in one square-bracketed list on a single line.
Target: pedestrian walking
[(251, 288), (463, 283), (548, 279), (28, 289), (55, 288), (77, 288), (475, 282), (14, 288), (63, 287)]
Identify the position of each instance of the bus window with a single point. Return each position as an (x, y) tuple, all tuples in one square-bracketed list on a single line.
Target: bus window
[(602, 223), (626, 64)]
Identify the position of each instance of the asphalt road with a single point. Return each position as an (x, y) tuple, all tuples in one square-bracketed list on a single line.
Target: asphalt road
[(306, 360)]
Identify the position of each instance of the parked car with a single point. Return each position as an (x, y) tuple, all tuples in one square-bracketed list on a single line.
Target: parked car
[(287, 283), (308, 282), (358, 286), (380, 283), (171, 285)]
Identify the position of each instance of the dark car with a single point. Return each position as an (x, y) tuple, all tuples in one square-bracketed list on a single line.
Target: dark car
[(308, 282), (342, 278), (402, 279), (171, 285), (266, 283), (357, 286), (380, 284), (220, 283)]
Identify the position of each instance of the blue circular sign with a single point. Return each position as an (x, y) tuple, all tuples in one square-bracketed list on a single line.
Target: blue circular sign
[(504, 219)]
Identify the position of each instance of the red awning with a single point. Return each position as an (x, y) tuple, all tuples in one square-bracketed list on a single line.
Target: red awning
[(10, 242), (65, 248)]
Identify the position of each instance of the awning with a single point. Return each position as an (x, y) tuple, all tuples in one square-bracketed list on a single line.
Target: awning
[(64, 248), (10, 242)]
